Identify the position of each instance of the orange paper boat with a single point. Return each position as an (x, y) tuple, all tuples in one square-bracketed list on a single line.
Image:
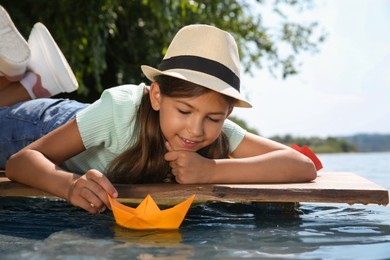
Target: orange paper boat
[(148, 215)]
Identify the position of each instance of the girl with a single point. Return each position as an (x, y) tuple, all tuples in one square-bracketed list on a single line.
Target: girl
[(176, 129)]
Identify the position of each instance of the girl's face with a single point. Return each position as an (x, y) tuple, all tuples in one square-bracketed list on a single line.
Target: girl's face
[(190, 124)]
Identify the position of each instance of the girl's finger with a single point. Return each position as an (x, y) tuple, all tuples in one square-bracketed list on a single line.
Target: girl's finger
[(172, 164), (102, 195), (168, 146), (104, 187), (88, 206), (86, 193), (171, 156), (92, 198), (97, 197)]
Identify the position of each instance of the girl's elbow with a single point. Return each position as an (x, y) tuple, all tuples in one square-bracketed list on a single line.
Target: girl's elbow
[(309, 170), (10, 171), (304, 170)]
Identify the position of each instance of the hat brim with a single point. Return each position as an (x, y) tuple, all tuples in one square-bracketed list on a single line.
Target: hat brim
[(199, 78)]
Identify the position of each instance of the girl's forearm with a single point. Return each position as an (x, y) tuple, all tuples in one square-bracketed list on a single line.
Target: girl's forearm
[(282, 166), (32, 168)]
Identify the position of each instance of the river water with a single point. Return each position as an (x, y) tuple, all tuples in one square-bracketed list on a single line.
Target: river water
[(43, 229)]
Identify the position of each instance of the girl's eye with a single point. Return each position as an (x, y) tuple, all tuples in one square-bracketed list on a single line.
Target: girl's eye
[(183, 112), (214, 120)]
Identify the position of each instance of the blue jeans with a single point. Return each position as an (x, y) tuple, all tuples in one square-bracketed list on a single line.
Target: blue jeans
[(25, 122)]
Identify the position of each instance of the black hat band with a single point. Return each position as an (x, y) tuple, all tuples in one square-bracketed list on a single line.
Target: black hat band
[(203, 65)]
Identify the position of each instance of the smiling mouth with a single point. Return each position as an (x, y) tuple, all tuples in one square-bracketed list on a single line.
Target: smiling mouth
[(188, 143)]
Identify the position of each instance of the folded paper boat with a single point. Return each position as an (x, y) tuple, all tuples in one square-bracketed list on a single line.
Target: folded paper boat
[(148, 215)]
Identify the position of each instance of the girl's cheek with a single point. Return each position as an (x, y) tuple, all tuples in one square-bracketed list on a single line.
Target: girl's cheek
[(213, 133)]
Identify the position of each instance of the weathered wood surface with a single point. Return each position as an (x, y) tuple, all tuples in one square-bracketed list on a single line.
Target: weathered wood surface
[(329, 187)]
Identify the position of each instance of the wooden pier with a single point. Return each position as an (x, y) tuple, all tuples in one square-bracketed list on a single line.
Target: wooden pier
[(329, 187)]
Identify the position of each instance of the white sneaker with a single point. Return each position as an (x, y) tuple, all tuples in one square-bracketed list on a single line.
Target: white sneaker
[(49, 63), (14, 50)]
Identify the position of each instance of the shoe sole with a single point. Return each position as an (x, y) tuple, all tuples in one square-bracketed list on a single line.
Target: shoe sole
[(48, 61), (14, 50)]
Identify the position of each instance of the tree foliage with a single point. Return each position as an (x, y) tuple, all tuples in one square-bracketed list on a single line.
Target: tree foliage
[(317, 144), (106, 41)]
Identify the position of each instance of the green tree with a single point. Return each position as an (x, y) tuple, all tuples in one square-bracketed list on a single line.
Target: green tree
[(106, 41), (317, 144)]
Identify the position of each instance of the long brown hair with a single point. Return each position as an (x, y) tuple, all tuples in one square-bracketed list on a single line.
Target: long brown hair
[(144, 161)]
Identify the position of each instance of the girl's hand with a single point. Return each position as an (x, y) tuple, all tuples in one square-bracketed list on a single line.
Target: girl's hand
[(189, 167), (90, 192)]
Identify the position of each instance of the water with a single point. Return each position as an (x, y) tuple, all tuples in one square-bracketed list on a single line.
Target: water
[(41, 229)]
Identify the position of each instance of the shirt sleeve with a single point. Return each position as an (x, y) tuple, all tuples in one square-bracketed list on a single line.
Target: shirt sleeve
[(234, 133), (110, 118)]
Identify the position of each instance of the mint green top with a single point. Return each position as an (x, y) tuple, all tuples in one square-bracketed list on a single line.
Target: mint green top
[(107, 128)]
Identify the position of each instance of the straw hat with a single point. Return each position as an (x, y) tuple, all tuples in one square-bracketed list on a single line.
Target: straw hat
[(204, 55)]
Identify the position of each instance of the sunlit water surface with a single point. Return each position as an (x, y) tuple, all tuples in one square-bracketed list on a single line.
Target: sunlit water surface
[(42, 229)]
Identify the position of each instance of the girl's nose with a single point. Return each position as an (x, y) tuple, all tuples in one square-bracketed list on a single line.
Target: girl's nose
[(195, 127)]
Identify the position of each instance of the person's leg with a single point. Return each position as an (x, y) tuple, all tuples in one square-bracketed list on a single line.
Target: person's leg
[(4, 82), (39, 65), (12, 94), (25, 122), (29, 87)]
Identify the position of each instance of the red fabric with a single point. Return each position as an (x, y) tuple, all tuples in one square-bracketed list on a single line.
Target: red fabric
[(307, 152)]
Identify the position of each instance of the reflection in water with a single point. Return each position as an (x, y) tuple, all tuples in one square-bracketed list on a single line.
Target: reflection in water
[(152, 244), (152, 237)]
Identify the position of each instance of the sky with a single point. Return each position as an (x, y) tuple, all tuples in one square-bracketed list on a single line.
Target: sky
[(342, 90)]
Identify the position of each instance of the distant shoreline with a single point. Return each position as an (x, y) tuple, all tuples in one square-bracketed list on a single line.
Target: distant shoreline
[(358, 143)]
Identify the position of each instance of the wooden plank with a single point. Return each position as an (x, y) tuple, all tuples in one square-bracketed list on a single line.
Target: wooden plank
[(329, 187)]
